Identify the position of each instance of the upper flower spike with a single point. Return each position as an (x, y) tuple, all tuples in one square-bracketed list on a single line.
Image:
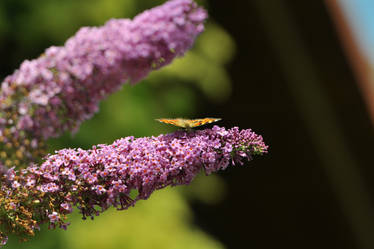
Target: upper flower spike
[(63, 87)]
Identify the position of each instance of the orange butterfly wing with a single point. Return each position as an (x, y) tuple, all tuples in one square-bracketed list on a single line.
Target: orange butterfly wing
[(175, 122), (203, 121)]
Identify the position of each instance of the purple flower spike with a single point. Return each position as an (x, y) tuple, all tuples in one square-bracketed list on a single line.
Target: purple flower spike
[(104, 176), (59, 90)]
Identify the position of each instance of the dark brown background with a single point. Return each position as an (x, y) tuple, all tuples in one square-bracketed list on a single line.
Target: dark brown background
[(286, 200)]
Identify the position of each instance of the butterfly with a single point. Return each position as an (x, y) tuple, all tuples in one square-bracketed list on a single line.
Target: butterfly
[(188, 123)]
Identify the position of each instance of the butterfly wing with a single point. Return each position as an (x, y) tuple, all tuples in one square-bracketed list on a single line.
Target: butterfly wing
[(175, 122), (202, 121)]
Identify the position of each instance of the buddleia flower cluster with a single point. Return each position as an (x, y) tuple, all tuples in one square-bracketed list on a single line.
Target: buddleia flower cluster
[(63, 87), (106, 175)]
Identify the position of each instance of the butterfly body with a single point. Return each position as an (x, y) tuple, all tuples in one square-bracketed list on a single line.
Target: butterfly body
[(188, 123)]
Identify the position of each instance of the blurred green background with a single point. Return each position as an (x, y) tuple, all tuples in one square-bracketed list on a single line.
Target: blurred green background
[(274, 66)]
